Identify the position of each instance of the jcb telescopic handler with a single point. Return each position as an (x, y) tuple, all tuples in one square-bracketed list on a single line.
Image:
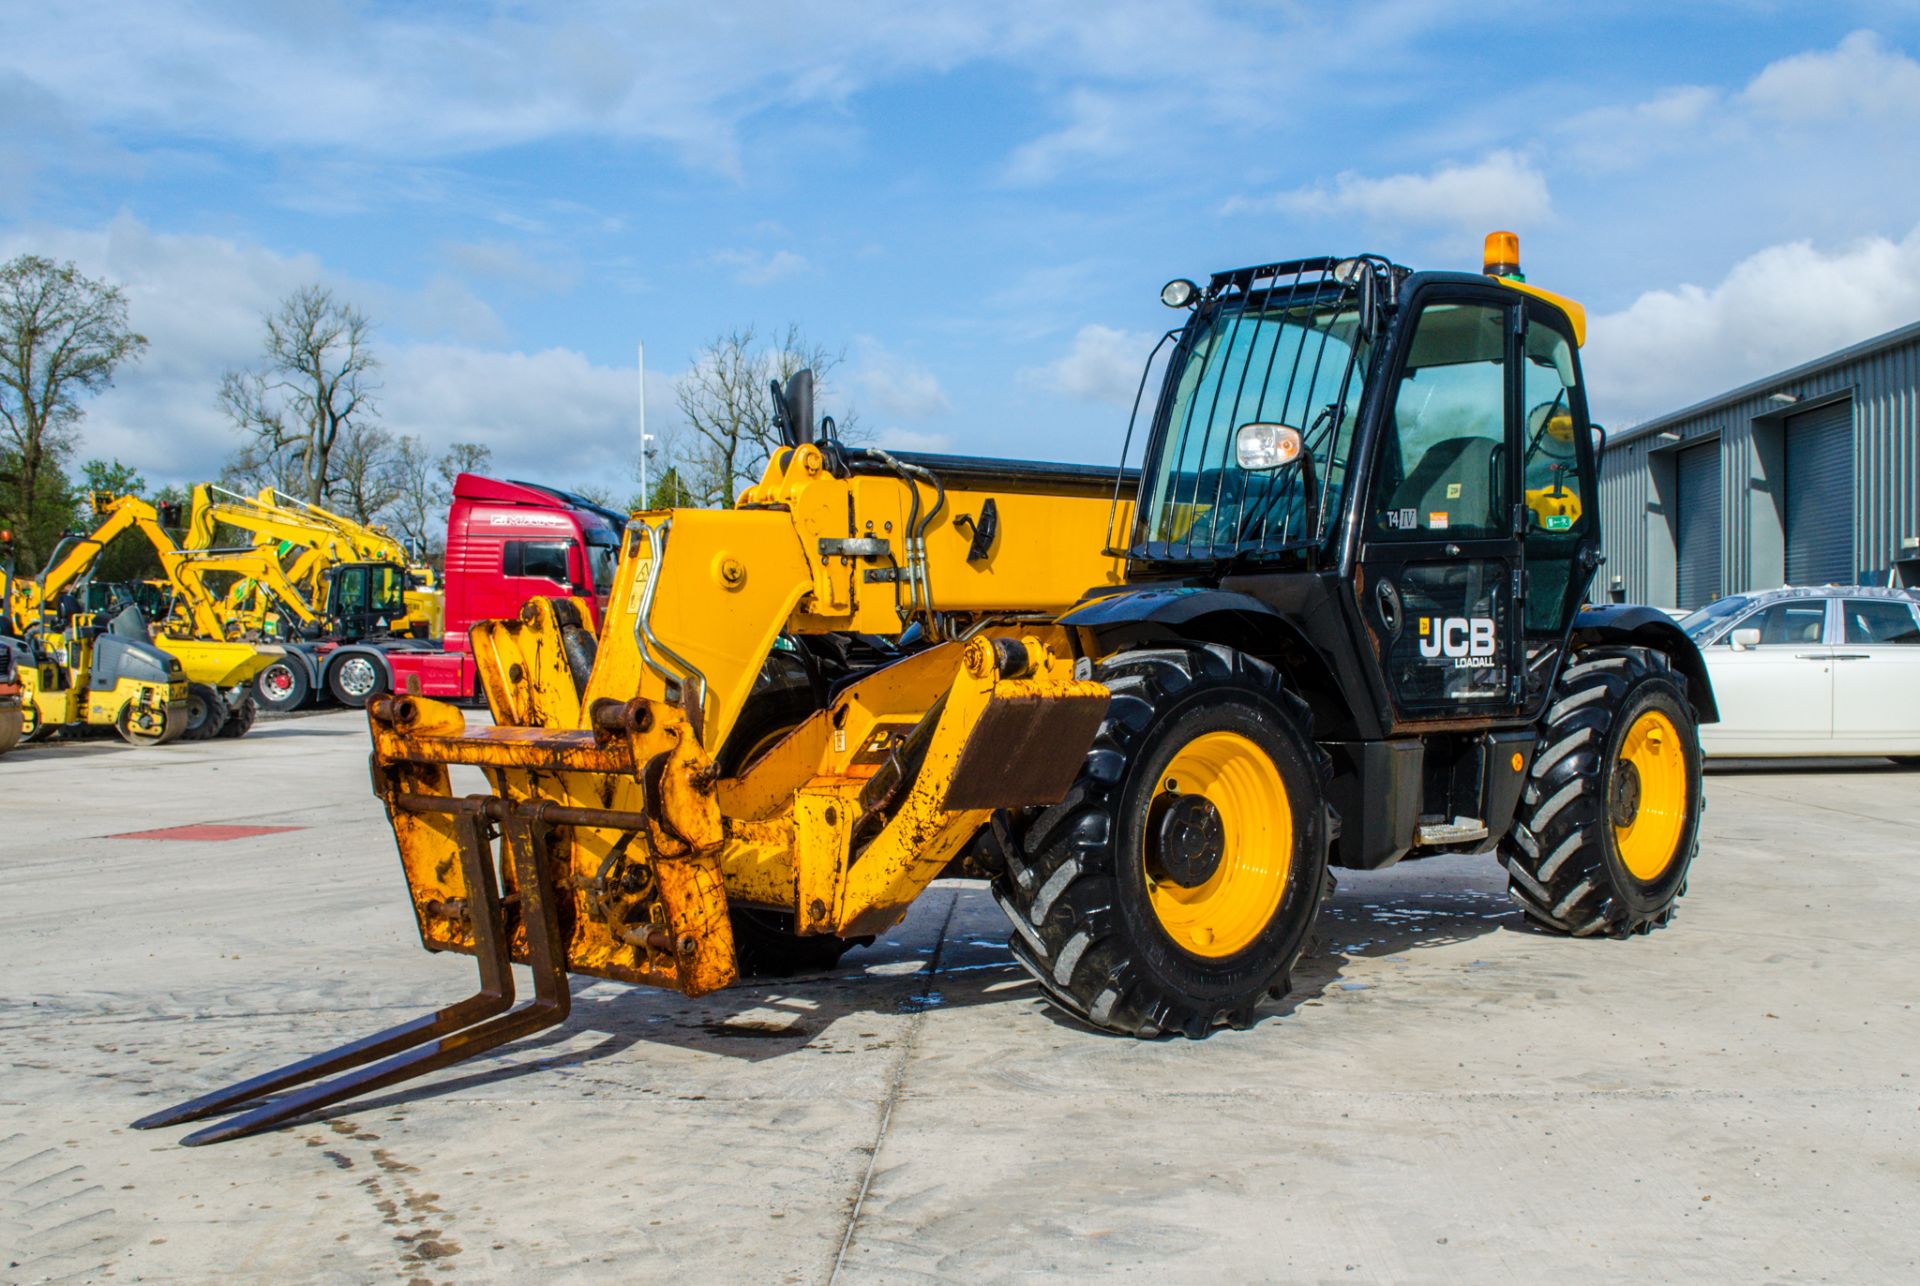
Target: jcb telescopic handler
[(1335, 618)]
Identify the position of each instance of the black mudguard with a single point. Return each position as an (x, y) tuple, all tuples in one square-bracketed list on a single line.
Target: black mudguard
[(1170, 607), (1637, 626)]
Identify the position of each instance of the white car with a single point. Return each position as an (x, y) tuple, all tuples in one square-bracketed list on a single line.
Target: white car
[(1827, 671)]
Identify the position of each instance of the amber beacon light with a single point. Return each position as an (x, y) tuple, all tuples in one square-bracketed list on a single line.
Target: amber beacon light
[(1502, 258)]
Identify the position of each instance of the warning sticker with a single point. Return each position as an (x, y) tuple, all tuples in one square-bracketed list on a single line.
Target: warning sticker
[(1437, 519), (1453, 491)]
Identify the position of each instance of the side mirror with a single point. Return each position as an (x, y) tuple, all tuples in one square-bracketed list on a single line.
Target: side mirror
[(1266, 446), (1744, 639), (797, 402)]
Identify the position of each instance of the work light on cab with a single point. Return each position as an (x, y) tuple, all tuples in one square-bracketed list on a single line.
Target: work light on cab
[(1266, 446), (1179, 293)]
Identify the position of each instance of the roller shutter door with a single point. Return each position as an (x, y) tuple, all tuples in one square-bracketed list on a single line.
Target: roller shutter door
[(1820, 496), (1697, 524)]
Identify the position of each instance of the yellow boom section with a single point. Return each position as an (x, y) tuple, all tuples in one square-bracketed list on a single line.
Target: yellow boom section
[(632, 782), (314, 541)]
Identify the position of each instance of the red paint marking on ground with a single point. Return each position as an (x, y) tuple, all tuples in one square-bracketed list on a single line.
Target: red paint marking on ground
[(207, 832)]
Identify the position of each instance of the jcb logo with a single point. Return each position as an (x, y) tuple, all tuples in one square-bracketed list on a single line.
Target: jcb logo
[(1469, 637)]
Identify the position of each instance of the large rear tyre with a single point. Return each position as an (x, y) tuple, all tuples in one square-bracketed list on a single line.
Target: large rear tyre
[(240, 719), (1609, 822), (1176, 885), (206, 712), (282, 686), (764, 943)]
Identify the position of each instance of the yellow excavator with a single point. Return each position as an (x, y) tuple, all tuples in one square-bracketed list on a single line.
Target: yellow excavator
[(1331, 620), (80, 668), (314, 580), (311, 544)]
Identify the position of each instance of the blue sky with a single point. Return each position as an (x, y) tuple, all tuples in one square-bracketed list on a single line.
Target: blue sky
[(977, 201)]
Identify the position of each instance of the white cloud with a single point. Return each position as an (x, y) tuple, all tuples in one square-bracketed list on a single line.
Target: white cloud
[(1102, 365), (552, 415), (897, 386), (758, 268), (510, 264), (200, 299), (1785, 305), (894, 438), (1503, 190), (1100, 126), (417, 83), (1860, 78), (1621, 137)]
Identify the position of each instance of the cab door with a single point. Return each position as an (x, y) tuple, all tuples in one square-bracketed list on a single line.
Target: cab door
[(1440, 550)]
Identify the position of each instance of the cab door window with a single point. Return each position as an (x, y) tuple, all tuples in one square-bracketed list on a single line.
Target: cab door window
[(1442, 470), (1556, 473), (543, 558)]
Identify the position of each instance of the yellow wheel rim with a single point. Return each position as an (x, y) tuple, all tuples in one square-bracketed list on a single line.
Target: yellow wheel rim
[(1216, 870), (1648, 796)]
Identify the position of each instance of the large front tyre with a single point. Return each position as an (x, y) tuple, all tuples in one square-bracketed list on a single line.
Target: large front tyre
[(1610, 818), (1176, 885)]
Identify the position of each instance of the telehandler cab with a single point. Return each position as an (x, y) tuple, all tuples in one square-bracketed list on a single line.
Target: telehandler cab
[(1335, 618)]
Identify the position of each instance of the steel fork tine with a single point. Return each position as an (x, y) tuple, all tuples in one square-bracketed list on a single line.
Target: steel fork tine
[(494, 997), (551, 1003)]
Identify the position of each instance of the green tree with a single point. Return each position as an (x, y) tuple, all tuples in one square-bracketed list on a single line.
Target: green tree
[(130, 558), (669, 491), (62, 336)]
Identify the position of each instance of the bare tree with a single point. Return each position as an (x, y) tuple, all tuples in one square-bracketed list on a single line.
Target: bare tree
[(725, 403), (419, 494), (61, 337), (464, 457), (365, 472), (315, 384)]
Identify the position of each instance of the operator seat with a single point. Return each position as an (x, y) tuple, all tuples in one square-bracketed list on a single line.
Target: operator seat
[(1469, 464)]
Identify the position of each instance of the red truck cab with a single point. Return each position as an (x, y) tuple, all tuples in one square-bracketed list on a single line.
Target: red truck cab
[(508, 542)]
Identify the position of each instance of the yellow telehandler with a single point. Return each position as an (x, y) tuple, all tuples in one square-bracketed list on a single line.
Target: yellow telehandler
[(1336, 618)]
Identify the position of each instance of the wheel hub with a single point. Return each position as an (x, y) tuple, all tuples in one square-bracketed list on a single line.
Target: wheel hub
[(356, 676), (1625, 802), (1190, 841)]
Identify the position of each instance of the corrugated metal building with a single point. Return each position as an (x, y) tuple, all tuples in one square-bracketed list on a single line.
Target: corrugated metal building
[(1807, 477)]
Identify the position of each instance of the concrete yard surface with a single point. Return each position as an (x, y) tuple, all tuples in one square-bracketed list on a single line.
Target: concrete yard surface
[(1447, 1096)]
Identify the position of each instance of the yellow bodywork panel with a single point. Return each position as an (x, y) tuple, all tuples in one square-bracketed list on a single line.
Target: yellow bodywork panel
[(220, 664), (1576, 311), (840, 820)]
